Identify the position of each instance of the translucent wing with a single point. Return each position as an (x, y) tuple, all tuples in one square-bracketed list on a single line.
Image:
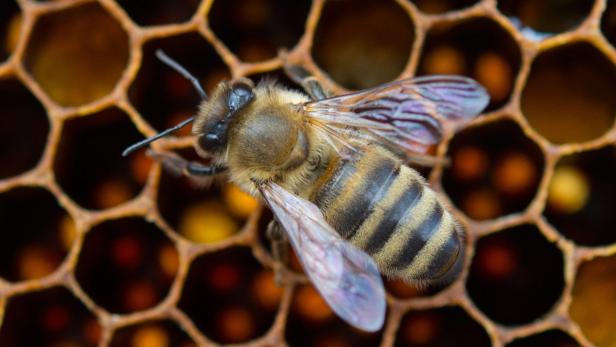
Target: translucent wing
[(410, 114), (346, 277)]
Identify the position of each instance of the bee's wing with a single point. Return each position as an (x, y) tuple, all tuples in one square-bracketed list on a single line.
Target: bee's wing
[(346, 277), (410, 113)]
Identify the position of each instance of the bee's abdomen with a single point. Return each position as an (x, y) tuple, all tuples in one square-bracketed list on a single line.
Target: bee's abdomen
[(387, 210)]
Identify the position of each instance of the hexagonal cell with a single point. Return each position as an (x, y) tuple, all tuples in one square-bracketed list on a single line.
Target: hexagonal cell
[(516, 275), (608, 22), (89, 166), (354, 47), (256, 29), (547, 338), (10, 25), (52, 317), (574, 84), (164, 97), (159, 12), (593, 306), (446, 326), (31, 248), (582, 197), (127, 265), (152, 333), (230, 296), (442, 6), (311, 322), (495, 170), (23, 129), (539, 18), (479, 48), (66, 51), (201, 212)]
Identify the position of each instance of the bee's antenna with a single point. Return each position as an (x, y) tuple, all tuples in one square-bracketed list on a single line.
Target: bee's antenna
[(182, 71), (147, 141)]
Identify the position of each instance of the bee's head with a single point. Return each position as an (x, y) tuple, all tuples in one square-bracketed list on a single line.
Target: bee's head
[(212, 123)]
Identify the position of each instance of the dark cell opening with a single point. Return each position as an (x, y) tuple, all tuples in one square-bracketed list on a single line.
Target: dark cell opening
[(37, 234), (536, 18), (127, 265), (569, 95), (256, 29), (230, 296), (478, 48), (516, 275), (356, 49), (77, 55), (554, 338), (442, 6), (52, 317), (495, 170), (441, 327), (311, 322), (164, 97), (608, 22), (23, 129), (165, 333), (10, 25), (159, 12), (89, 165), (593, 306), (582, 197)]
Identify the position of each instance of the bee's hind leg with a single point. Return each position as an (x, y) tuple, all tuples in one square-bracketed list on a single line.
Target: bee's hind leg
[(280, 249), (310, 83)]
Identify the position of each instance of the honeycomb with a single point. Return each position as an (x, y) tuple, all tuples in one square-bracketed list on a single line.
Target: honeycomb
[(100, 250)]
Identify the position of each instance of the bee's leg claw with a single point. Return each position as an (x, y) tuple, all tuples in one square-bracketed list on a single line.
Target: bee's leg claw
[(280, 250)]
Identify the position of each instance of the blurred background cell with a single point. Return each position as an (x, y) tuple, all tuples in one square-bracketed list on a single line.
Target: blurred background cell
[(23, 129), (540, 18), (88, 167), (553, 338), (50, 317), (593, 306), (582, 197), (159, 12), (478, 48), (569, 95), (442, 6), (365, 55), (10, 27), (164, 97), (127, 265), (311, 322), (36, 234), (516, 275), (442, 327), (495, 170), (230, 296), (255, 30), (608, 22), (162, 333), (203, 212), (77, 55)]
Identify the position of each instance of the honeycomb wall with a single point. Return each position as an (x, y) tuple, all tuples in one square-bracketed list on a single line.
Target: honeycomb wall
[(97, 251)]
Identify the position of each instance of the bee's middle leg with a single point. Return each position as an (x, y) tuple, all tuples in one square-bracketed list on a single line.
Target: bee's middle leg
[(280, 249), (310, 83)]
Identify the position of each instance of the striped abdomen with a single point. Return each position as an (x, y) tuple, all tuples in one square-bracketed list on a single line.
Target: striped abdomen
[(385, 208)]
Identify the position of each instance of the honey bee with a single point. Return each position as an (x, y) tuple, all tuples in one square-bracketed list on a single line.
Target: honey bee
[(333, 171)]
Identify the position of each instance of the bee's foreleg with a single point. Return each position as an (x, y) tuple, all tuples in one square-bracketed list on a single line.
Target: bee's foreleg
[(280, 249), (180, 166), (310, 83)]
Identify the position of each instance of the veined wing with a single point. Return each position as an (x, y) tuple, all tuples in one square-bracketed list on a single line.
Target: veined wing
[(410, 114), (346, 277)]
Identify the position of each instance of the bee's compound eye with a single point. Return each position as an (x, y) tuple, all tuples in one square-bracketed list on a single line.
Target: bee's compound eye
[(241, 94)]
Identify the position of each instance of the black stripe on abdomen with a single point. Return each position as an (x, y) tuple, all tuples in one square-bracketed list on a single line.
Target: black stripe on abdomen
[(383, 231), (419, 237)]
